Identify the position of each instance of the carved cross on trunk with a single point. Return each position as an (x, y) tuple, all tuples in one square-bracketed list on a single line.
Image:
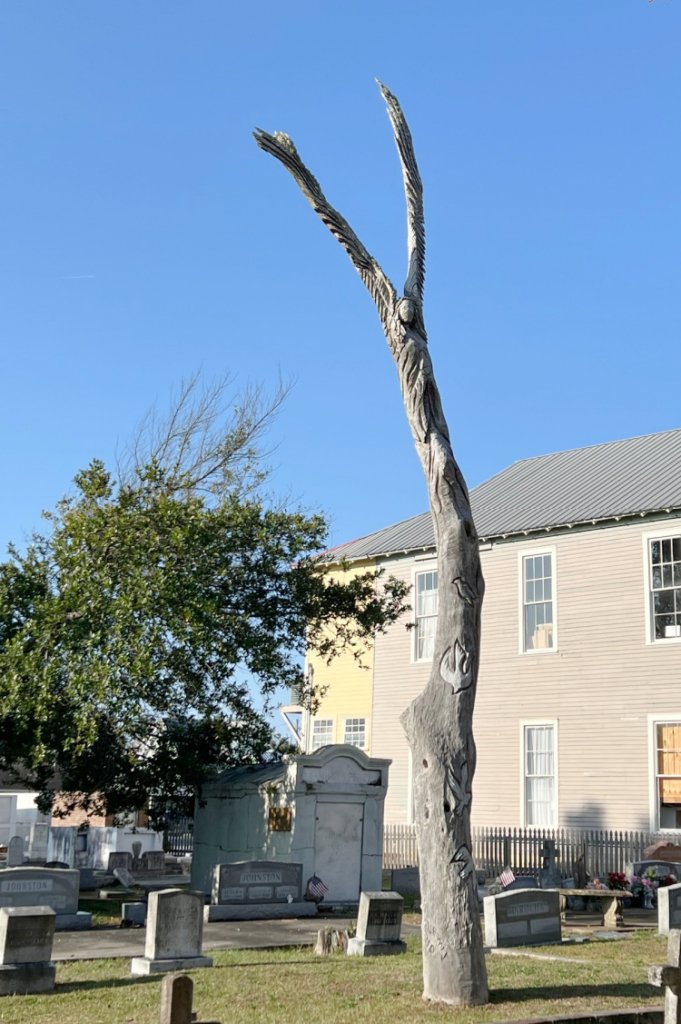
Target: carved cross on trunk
[(438, 724), (668, 976)]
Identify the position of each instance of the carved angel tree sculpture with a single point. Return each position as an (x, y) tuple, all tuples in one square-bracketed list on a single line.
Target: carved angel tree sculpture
[(438, 723)]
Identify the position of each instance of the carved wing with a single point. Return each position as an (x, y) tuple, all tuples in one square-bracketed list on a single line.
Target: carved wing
[(378, 284), (413, 190)]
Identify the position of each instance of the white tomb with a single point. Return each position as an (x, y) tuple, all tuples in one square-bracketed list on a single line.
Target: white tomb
[(322, 810)]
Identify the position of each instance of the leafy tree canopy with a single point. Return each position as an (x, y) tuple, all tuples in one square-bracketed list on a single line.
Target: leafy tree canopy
[(129, 630)]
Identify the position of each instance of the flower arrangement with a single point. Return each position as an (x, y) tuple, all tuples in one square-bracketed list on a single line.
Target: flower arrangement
[(617, 880), (639, 885)]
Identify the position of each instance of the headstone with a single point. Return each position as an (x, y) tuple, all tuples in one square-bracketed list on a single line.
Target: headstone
[(522, 918), (15, 852), (174, 933), (125, 878), (119, 859), (26, 935), (256, 890), (668, 908), (133, 915), (406, 881), (549, 876), (379, 922), (50, 887), (663, 868), (40, 832), (177, 991), (153, 863), (668, 976)]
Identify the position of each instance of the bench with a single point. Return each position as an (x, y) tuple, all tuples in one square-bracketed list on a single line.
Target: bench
[(612, 910)]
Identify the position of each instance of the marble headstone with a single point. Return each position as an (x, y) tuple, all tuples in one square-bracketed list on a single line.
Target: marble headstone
[(174, 933)]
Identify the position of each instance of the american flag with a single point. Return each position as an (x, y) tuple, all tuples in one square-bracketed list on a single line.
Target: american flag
[(316, 889), (506, 877)]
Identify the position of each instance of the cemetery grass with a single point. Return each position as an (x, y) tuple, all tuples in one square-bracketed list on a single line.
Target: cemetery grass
[(267, 986), (105, 913)]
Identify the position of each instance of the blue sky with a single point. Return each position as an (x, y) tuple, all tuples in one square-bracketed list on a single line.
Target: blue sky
[(143, 234)]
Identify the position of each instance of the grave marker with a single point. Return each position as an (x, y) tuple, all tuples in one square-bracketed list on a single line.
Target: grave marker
[(257, 889), (119, 859), (26, 935), (668, 908), (379, 922), (176, 1000), (174, 933), (529, 917), (153, 863), (668, 976), (15, 852), (51, 887)]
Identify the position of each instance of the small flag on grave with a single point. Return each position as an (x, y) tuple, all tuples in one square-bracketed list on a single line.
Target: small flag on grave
[(506, 877), (316, 890)]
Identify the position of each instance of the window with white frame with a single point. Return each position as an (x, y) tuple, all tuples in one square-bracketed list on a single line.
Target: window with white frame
[(538, 602), (665, 587), (426, 614), (355, 732), (322, 732), (667, 739), (539, 766)]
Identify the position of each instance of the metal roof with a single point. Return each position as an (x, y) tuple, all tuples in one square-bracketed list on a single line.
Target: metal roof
[(640, 475)]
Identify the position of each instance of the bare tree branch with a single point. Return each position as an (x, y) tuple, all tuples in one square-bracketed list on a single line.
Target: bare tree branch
[(210, 439)]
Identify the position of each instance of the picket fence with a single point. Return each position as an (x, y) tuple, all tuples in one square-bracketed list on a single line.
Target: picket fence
[(521, 848)]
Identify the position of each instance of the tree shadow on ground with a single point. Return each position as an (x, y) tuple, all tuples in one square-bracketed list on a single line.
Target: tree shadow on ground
[(525, 994), (142, 979), (64, 987)]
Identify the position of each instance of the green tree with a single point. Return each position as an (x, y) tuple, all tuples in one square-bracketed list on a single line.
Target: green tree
[(129, 632)]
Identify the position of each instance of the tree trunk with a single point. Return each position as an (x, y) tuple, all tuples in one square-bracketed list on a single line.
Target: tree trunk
[(439, 723)]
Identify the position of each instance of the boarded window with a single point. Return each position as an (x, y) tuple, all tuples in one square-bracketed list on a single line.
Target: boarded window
[(668, 773)]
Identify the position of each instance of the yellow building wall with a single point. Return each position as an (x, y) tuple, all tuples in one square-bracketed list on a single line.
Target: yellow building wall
[(348, 682)]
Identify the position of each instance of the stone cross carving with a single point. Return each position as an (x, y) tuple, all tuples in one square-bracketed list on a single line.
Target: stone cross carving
[(177, 992), (438, 723), (668, 976)]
